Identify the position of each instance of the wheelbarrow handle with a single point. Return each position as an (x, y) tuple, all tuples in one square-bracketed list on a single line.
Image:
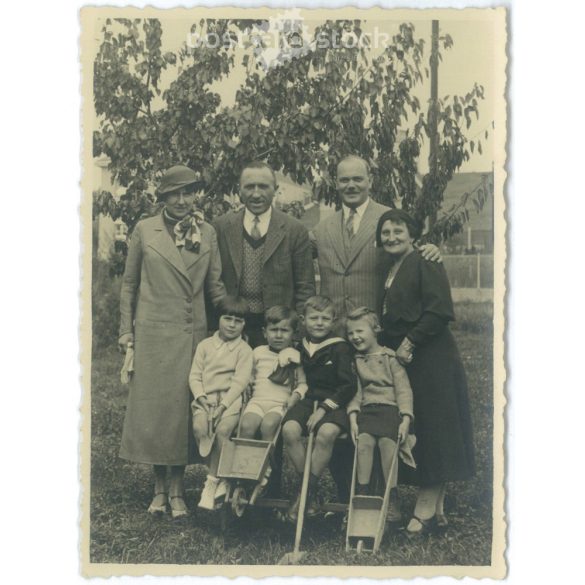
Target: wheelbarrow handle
[(304, 488)]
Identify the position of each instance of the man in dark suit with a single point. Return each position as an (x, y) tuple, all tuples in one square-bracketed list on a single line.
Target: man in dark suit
[(265, 253)]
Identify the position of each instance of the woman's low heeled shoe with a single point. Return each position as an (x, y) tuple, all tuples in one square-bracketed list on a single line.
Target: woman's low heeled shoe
[(427, 526), (178, 512), (158, 504)]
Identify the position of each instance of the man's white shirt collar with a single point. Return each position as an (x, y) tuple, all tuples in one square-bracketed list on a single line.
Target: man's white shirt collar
[(359, 213), (263, 221)]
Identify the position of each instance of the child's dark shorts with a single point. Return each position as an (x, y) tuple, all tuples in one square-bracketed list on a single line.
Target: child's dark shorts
[(379, 420), (303, 409)]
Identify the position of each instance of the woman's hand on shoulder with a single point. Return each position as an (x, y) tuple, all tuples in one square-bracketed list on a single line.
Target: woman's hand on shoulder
[(124, 341), (430, 252)]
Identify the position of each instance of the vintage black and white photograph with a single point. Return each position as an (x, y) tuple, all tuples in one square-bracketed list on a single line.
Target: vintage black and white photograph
[(294, 285)]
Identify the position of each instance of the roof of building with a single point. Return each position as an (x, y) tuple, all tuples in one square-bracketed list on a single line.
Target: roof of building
[(462, 183)]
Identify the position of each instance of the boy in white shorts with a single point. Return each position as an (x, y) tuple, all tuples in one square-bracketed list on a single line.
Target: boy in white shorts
[(278, 379)]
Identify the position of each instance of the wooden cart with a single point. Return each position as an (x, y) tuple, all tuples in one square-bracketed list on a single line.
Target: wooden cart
[(367, 514), (243, 463)]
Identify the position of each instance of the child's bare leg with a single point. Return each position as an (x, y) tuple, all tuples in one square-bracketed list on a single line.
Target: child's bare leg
[(223, 432), (292, 435), (365, 458), (387, 449), (270, 425), (324, 442), (250, 424)]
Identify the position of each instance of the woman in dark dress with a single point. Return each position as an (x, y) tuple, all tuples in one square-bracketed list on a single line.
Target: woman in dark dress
[(416, 311)]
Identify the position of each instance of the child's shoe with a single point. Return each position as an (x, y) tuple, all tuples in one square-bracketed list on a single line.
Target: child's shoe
[(313, 505), (293, 511), (207, 500)]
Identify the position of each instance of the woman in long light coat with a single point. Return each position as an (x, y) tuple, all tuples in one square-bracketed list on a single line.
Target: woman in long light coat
[(172, 260)]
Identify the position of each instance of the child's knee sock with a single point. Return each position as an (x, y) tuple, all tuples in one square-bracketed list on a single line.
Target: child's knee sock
[(313, 484), (362, 489)]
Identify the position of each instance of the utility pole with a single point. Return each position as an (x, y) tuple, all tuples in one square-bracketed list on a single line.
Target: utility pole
[(434, 110)]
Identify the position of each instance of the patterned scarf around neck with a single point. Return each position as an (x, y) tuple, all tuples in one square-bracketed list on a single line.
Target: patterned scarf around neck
[(187, 232)]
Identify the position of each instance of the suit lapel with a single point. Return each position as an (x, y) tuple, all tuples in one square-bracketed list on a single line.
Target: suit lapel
[(165, 246), (364, 233), (235, 240), (334, 229), (274, 235)]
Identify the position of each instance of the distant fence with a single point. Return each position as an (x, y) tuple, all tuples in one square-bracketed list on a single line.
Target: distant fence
[(470, 271), (471, 274)]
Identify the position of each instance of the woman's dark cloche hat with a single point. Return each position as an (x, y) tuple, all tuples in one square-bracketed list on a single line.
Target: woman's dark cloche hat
[(175, 178)]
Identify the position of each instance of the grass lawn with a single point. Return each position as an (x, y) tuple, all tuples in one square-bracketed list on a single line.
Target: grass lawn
[(122, 532)]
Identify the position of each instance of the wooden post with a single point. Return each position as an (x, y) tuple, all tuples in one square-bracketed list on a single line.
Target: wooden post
[(478, 270)]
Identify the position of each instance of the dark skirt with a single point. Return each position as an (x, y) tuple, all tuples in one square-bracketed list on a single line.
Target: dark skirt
[(379, 420), (442, 421)]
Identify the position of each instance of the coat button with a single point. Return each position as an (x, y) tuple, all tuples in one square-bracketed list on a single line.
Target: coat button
[(189, 309), (188, 320)]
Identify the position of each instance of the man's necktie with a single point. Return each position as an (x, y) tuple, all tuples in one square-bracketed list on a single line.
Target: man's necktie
[(349, 224), (255, 233)]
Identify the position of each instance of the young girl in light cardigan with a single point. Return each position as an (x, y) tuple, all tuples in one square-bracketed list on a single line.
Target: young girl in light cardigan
[(220, 373), (381, 411)]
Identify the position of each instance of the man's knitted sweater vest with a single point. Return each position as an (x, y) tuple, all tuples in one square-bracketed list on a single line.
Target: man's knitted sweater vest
[(251, 283)]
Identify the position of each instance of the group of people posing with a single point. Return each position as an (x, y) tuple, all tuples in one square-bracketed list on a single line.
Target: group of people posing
[(370, 357)]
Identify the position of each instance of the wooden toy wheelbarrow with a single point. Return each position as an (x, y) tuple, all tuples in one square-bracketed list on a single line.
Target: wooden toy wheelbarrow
[(367, 514), (244, 464)]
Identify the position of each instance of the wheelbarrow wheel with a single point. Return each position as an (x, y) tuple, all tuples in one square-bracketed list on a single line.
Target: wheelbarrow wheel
[(239, 501), (360, 546)]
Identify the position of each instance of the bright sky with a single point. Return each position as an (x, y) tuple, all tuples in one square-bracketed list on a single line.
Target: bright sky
[(471, 59)]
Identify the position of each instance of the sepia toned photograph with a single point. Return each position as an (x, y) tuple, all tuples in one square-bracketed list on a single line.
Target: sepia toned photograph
[(292, 330)]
